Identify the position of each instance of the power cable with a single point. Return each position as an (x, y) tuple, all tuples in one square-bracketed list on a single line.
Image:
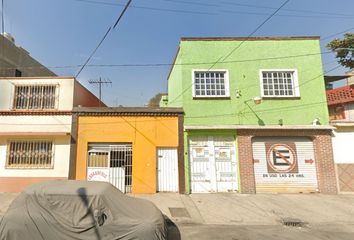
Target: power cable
[(286, 9), (94, 51), (104, 37), (333, 15), (254, 31), (335, 34), (147, 8), (238, 46), (193, 3), (171, 64), (2, 17), (215, 115), (284, 15)]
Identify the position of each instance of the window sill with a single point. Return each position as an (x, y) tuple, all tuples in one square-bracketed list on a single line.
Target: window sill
[(281, 98), (211, 98), (29, 168)]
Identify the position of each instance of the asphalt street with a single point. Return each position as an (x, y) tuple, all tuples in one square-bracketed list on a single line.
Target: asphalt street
[(256, 232)]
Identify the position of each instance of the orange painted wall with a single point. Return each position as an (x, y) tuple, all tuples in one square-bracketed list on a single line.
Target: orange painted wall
[(145, 134)]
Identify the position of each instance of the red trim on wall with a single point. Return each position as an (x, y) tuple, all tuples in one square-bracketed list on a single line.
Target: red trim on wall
[(18, 184)]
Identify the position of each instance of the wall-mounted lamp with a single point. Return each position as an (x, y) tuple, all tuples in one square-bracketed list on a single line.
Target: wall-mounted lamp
[(257, 100)]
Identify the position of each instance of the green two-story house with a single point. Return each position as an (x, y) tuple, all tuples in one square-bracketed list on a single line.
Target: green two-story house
[(256, 117)]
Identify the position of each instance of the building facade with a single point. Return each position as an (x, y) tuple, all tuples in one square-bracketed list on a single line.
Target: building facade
[(35, 128), (17, 62), (341, 112), (256, 118), (138, 150)]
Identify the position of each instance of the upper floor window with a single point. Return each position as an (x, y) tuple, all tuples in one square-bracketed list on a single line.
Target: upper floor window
[(213, 83), (35, 97), (279, 83), (30, 154)]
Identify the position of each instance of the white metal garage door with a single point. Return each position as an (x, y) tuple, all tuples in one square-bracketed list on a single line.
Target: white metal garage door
[(284, 164), (167, 170), (213, 164), (111, 163)]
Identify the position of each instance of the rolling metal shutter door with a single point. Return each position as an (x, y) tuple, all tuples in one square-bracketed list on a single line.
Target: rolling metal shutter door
[(272, 155)]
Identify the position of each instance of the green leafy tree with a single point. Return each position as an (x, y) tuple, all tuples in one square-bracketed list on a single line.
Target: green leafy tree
[(344, 49), (154, 102)]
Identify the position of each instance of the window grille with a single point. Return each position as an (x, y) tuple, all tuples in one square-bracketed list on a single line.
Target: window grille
[(35, 97), (278, 84), (30, 154), (210, 84)]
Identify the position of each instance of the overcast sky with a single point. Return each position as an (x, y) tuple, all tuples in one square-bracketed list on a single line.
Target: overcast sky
[(63, 33)]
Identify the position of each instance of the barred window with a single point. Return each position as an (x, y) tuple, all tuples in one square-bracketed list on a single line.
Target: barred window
[(279, 84), (30, 154), (35, 97), (211, 84)]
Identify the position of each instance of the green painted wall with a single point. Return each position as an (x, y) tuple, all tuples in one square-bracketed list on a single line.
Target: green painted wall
[(244, 76), (243, 71)]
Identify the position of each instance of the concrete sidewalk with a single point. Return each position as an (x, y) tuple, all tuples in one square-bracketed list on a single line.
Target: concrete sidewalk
[(245, 209), (257, 209)]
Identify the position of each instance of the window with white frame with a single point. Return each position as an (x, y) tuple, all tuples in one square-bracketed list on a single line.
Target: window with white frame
[(35, 97), (279, 83), (210, 83), (30, 154)]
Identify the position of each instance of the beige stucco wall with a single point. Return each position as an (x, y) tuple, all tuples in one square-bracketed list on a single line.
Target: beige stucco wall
[(60, 160)]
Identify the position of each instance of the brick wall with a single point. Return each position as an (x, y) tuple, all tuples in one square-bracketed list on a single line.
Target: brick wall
[(326, 173), (247, 178), (323, 155)]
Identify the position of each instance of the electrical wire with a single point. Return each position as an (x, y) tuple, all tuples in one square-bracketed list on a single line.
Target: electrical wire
[(172, 64), (94, 51), (104, 37), (2, 17), (329, 15), (287, 108), (238, 46), (335, 34), (147, 8), (287, 9), (254, 31), (284, 15)]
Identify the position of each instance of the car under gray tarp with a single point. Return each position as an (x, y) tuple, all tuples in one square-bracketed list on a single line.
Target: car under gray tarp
[(68, 209)]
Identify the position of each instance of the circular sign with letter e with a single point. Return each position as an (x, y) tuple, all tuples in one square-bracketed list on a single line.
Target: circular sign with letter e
[(281, 158)]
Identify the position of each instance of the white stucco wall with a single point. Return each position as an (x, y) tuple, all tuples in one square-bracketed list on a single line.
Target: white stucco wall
[(343, 145), (349, 111), (26, 124), (61, 159), (66, 91)]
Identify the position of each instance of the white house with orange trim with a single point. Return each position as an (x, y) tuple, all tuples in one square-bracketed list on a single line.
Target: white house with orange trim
[(35, 128)]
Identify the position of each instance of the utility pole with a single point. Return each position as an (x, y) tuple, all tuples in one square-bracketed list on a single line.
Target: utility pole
[(2, 17), (100, 82)]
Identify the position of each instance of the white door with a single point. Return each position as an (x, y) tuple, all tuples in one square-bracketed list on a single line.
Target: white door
[(213, 164), (167, 170), (225, 165)]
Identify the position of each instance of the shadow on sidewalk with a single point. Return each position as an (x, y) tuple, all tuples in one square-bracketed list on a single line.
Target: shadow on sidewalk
[(173, 232)]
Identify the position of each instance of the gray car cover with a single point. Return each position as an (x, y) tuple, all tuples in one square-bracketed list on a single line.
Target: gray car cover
[(67, 209)]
